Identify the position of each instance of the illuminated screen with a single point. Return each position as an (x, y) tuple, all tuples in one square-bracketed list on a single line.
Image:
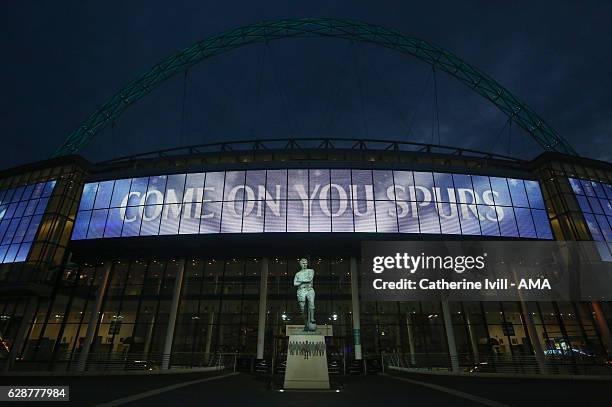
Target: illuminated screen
[(21, 210), (312, 200), (595, 200)]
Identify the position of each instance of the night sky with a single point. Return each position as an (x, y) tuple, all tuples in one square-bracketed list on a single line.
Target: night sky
[(62, 60)]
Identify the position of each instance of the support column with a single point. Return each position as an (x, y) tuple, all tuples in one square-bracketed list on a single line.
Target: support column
[(473, 338), (24, 326), (533, 338), (604, 329), (410, 338), (209, 333), (263, 308), (450, 337), (355, 302), (93, 318), (176, 296)]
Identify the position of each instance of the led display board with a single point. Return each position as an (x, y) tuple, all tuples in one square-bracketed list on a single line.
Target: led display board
[(21, 211), (595, 200), (312, 200)]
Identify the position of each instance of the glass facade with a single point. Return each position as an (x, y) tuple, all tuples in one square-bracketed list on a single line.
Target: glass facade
[(595, 201), (21, 212), (313, 200), (218, 313)]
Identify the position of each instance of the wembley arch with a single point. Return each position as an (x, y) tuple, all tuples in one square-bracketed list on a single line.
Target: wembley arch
[(515, 109)]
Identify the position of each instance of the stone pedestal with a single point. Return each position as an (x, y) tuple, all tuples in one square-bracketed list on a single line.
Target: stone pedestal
[(307, 358)]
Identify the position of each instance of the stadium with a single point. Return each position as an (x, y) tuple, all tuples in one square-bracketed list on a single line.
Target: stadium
[(185, 257)]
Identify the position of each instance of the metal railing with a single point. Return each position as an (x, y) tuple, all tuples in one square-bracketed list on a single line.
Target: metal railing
[(499, 363)]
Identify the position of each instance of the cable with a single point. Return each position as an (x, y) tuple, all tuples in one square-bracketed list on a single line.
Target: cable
[(361, 95), (182, 124), (437, 109), (290, 123)]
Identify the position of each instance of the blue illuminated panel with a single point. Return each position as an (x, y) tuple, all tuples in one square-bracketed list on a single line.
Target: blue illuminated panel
[(595, 201), (313, 200), (21, 211)]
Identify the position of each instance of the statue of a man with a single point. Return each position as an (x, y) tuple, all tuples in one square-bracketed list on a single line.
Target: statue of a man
[(305, 292)]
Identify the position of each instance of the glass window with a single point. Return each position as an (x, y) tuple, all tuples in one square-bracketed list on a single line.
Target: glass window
[(120, 192), (525, 223), (534, 194), (103, 196), (88, 196), (517, 192)]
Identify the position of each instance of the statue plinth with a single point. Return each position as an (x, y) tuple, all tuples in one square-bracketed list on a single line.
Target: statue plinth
[(306, 361), (323, 330)]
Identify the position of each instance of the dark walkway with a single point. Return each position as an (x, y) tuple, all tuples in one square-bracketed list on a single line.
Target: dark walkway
[(371, 391)]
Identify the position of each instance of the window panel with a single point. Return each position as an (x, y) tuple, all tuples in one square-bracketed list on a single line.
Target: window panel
[(298, 184), (542, 225), (97, 223), (31, 207), (32, 228), (386, 217), (156, 190), (120, 192), (587, 187), (151, 220), (607, 206), (525, 223), (595, 206), (213, 189), (256, 181), (87, 197), (21, 229), (210, 220), (114, 222), (507, 222), (42, 205), (276, 215), (604, 227), (342, 216), (364, 216), (171, 215), (517, 192), (138, 191), (593, 227), (190, 217), (24, 249), (234, 186), (449, 218), (297, 216), (194, 188), (132, 220), (48, 189), (407, 217), (383, 184), (17, 195), (27, 194), (10, 231), (11, 253), (534, 194), (444, 190), (231, 220), (318, 180), (253, 218), (488, 220), (103, 195), (428, 217), (482, 190), (276, 185), (468, 218), (320, 219)]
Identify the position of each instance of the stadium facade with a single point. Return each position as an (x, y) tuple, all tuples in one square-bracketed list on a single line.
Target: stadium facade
[(170, 259), (178, 257)]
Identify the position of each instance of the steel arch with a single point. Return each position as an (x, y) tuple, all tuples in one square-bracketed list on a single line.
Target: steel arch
[(351, 30)]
